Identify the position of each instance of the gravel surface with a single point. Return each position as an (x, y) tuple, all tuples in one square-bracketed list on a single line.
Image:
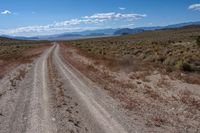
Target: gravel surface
[(51, 96)]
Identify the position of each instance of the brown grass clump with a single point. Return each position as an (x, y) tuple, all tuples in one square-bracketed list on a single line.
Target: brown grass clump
[(15, 52), (155, 102), (187, 98), (198, 41), (158, 120), (152, 94), (144, 58), (171, 49)]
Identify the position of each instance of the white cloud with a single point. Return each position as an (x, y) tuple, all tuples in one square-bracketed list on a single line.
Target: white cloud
[(150, 24), (73, 24), (6, 12), (122, 8), (127, 26), (77, 22), (101, 16), (113, 15), (194, 7), (68, 25)]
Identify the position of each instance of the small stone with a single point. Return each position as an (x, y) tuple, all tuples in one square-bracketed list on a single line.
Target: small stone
[(138, 82), (53, 119), (76, 104)]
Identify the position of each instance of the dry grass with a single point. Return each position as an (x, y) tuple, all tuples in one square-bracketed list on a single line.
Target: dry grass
[(156, 101), (21, 74), (18, 77), (158, 121), (142, 75), (151, 93), (158, 104), (15, 52), (171, 50), (163, 82), (186, 97)]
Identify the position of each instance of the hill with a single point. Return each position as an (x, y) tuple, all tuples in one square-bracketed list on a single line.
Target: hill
[(127, 31), (101, 32)]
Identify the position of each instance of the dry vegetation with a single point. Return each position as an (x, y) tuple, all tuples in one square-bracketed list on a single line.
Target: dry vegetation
[(15, 52), (176, 48), (172, 50), (11, 42), (142, 71)]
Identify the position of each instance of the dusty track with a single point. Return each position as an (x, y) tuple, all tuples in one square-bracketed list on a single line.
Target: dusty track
[(33, 104), (104, 121), (39, 117), (24, 106)]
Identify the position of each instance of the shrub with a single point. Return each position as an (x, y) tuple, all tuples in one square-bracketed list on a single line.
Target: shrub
[(170, 61), (198, 41), (182, 65)]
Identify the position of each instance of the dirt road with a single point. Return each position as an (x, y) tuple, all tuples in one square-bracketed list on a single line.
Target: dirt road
[(54, 97)]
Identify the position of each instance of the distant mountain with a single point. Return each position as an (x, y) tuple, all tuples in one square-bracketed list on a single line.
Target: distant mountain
[(19, 37), (77, 35), (67, 35), (150, 28), (101, 32), (170, 26), (182, 24), (96, 34), (126, 31), (26, 38), (98, 31), (72, 36), (5, 36), (2, 38)]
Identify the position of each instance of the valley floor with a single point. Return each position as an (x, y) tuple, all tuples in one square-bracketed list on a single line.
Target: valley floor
[(62, 91), (155, 101)]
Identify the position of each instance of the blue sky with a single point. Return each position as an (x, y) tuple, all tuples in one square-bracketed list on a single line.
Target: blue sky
[(40, 17)]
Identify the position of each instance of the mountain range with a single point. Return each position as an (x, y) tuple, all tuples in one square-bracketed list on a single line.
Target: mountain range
[(101, 32)]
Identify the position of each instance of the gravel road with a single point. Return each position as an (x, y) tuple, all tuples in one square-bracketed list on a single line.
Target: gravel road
[(54, 97)]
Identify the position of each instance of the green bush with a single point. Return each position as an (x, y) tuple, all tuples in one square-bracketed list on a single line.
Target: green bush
[(198, 41)]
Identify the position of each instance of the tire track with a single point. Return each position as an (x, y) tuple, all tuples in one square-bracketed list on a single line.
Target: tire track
[(32, 104), (40, 120), (65, 107), (103, 119), (14, 103)]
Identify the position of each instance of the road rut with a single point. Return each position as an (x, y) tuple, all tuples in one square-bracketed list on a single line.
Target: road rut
[(102, 117), (31, 107)]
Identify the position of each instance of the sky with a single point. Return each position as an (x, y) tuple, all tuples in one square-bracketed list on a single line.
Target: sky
[(44, 17)]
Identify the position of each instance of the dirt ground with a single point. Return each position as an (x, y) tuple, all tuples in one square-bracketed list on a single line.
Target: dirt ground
[(63, 90), (27, 55), (155, 100), (49, 95)]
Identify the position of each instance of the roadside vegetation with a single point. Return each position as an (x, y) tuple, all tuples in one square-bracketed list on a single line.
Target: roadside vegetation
[(11, 49), (198, 41), (15, 52), (155, 74), (11, 42), (174, 48)]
